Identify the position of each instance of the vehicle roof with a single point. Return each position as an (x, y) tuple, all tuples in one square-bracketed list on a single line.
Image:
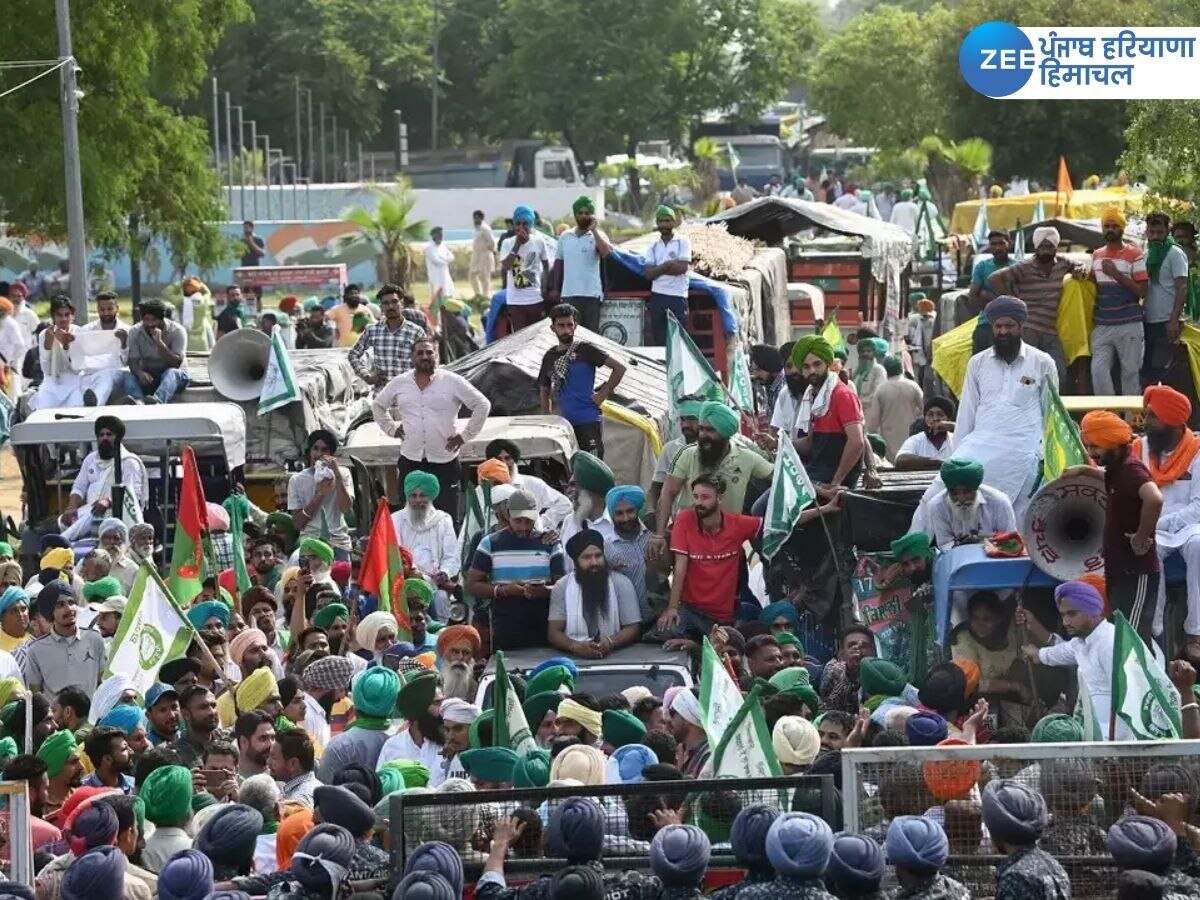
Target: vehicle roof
[(538, 437), (212, 425), (644, 655)]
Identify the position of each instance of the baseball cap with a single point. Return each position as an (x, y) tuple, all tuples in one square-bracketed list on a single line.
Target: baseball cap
[(116, 603), (522, 505), (157, 691), (502, 493)]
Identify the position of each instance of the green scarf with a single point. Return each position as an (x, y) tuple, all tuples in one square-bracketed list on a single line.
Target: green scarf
[(373, 723), (1156, 252), (269, 828)]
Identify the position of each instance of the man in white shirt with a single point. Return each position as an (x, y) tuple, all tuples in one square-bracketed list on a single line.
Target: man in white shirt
[(929, 448), (667, 261), (98, 382), (12, 350), (848, 199), (577, 269), (555, 506), (320, 495), (438, 258), (483, 256), (92, 490), (967, 511), (428, 399), (525, 266), (689, 430), (23, 313), (61, 382), (428, 533), (419, 701), (905, 213)]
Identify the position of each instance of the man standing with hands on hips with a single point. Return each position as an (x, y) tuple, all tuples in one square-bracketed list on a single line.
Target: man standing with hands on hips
[(525, 265), (428, 399), (667, 261)]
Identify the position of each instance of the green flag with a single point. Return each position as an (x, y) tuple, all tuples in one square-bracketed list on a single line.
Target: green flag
[(511, 727), (745, 749), (1062, 446), (279, 384), (153, 630), (741, 388), (720, 697), (833, 335), (688, 371), (791, 492), (1142, 694), (236, 505)]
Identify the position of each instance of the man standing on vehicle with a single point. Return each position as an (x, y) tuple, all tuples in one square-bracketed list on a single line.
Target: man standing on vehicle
[(233, 315), (483, 256), (577, 277), (428, 399), (568, 374), (157, 351), (525, 264), (98, 383), (320, 496), (667, 261), (391, 341)]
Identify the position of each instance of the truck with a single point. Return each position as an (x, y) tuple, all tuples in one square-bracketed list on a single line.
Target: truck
[(514, 164), (752, 158)]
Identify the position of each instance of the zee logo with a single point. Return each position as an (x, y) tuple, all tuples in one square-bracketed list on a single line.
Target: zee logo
[(996, 59)]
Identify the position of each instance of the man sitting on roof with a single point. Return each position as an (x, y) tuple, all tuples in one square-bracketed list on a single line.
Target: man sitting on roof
[(593, 610)]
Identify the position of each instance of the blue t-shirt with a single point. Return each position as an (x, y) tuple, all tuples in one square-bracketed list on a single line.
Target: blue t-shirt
[(575, 394), (983, 269)]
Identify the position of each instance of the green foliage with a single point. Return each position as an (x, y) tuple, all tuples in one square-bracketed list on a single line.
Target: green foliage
[(137, 155), (1163, 144), (390, 229)]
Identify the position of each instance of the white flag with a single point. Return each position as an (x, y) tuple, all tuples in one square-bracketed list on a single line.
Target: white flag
[(791, 491), (153, 631), (720, 697), (745, 749), (980, 231), (279, 384), (1039, 212), (1142, 694), (1085, 712), (741, 388), (688, 372)]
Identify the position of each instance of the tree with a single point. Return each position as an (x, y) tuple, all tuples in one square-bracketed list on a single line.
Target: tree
[(390, 229), (138, 156), (1163, 145)]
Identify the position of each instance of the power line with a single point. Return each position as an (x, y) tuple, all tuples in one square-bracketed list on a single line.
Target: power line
[(54, 68)]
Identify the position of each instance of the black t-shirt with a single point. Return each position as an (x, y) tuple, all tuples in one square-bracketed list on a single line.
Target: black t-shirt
[(228, 320), (575, 399), (314, 337), (252, 259), (1122, 517)]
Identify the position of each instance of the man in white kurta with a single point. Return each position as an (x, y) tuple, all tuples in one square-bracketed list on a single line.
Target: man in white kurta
[(61, 385), (555, 506), (12, 351), (951, 523), (428, 533), (438, 258), (483, 257), (101, 369)]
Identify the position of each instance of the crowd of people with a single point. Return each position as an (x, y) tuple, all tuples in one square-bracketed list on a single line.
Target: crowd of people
[(265, 759)]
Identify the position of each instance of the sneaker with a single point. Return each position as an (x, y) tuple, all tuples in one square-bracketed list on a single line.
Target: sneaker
[(132, 401), (89, 398), (152, 401)]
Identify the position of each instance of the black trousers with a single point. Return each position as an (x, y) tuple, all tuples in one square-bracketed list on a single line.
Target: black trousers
[(1135, 596), (449, 476), (590, 437)]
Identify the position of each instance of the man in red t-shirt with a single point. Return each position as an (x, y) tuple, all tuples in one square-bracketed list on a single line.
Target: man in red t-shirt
[(706, 544), (830, 417)]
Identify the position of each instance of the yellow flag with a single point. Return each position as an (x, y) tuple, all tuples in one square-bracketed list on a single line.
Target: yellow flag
[(833, 335), (952, 352)]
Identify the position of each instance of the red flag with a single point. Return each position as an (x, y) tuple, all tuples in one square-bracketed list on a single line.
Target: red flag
[(191, 524), (383, 571)]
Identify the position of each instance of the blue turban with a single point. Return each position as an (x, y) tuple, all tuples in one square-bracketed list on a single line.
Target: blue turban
[(125, 716), (97, 875), (1081, 597), (227, 838), (679, 855), (228, 895), (113, 525), (209, 609), (12, 596), (799, 844), (440, 859), (524, 214), (748, 837), (16, 891), (926, 729), (322, 859), (577, 830), (1006, 307), (577, 883), (1140, 842), (565, 662), (629, 761), (630, 492), (188, 875), (1014, 813), (424, 886), (773, 611), (855, 865), (917, 843)]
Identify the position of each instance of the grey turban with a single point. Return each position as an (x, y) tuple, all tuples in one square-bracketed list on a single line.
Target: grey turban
[(1014, 813), (440, 858), (679, 855), (856, 864), (577, 830), (799, 844), (1006, 307), (917, 844), (1140, 842), (748, 838)]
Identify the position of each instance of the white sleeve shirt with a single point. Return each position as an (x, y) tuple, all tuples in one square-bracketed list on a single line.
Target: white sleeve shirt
[(428, 416), (676, 249)]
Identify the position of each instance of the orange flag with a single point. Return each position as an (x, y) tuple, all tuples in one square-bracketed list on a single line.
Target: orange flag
[(1063, 189)]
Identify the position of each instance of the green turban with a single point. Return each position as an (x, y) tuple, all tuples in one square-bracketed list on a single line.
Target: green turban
[(424, 482), (202, 800), (167, 793), (583, 203), (488, 715), (412, 774), (721, 418), (964, 473), (664, 212), (893, 366), (6, 549), (621, 727), (878, 444), (914, 296), (786, 637), (689, 409), (1057, 729), (537, 705), (57, 749), (550, 678), (390, 780), (327, 615), (284, 523), (101, 589), (375, 692), (591, 473), (419, 586), (879, 345), (532, 770), (319, 549), (8, 748), (878, 676), (489, 763), (795, 681), (905, 194), (915, 544), (812, 345), (416, 693)]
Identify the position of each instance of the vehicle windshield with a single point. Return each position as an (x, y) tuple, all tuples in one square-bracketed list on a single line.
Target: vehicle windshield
[(600, 682), (757, 155)]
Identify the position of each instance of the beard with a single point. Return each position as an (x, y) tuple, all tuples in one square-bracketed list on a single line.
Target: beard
[(584, 505), (1161, 440), (458, 681), (433, 728), (796, 384), (418, 514), (964, 519), (711, 452), (424, 366), (628, 529), (1007, 346), (335, 644), (816, 382), (593, 585), (106, 450)]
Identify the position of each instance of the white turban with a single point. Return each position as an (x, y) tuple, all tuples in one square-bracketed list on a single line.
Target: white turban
[(369, 628), (636, 693), (459, 712), (686, 706), (1046, 233), (107, 694), (795, 741)]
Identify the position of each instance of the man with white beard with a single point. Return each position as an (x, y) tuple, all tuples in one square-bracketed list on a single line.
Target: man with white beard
[(967, 511), (428, 533), (593, 610), (554, 506), (591, 480), (457, 648)]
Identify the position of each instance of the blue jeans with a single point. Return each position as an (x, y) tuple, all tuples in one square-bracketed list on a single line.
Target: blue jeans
[(165, 386), (660, 305)]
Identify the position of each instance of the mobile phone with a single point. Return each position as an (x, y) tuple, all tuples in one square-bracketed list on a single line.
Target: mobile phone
[(391, 661), (213, 778)]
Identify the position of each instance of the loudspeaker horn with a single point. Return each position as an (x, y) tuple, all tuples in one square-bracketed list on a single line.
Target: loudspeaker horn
[(1063, 528), (238, 364)]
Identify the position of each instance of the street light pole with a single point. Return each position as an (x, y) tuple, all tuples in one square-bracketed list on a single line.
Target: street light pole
[(216, 126), (267, 166), (299, 144), (433, 106), (254, 163), (229, 146), (69, 102), (322, 111), (310, 159), (241, 160)]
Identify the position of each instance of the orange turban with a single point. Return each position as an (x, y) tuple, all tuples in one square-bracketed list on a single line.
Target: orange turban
[(288, 836), (970, 669), (952, 779), (1105, 430), (6, 306), (1168, 405), (1098, 582), (289, 303), (456, 635), (926, 305), (494, 471)]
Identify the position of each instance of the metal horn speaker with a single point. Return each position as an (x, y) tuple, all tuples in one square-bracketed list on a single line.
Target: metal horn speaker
[(238, 364), (1063, 528)]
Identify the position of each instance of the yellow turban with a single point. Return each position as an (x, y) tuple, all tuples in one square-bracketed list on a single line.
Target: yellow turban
[(57, 558), (1105, 430), (255, 689), (1113, 214)]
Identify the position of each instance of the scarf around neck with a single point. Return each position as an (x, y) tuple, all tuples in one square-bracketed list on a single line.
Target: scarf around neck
[(815, 403), (562, 366), (1156, 254)]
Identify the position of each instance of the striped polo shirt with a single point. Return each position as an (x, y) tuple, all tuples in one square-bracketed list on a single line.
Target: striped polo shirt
[(1115, 303), (507, 558), (1041, 292)]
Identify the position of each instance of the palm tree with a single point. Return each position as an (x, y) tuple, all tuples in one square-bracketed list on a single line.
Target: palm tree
[(389, 228)]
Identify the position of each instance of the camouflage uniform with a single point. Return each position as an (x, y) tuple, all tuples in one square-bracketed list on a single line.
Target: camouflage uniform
[(1032, 874), (788, 888), (753, 877), (617, 886), (941, 888)]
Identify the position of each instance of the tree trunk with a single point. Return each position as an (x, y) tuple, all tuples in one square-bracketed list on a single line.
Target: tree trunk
[(634, 177), (135, 263)]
